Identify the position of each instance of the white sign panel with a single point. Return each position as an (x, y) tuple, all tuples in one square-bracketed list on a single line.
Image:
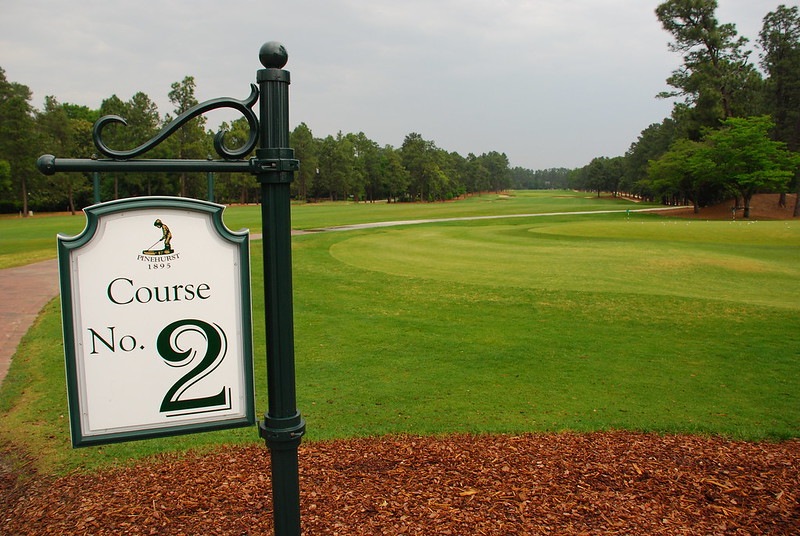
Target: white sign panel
[(157, 325)]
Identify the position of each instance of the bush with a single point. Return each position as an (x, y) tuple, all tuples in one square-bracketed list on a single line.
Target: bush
[(9, 207)]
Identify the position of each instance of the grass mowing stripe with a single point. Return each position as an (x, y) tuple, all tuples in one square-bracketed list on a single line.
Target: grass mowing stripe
[(533, 254)]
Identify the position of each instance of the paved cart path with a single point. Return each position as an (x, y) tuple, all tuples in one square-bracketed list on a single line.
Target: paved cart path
[(24, 290), (469, 218)]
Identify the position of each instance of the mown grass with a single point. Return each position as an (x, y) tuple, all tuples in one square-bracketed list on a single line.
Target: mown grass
[(27, 240), (533, 324), (327, 214), (751, 262), (458, 339)]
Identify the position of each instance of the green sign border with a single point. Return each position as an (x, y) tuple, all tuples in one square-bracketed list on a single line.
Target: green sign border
[(66, 244)]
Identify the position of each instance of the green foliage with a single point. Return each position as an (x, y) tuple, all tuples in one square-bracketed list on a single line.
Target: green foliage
[(603, 175), (747, 160), (59, 134), (343, 178), (191, 141), (368, 171), (527, 179), (780, 40), (724, 104), (302, 141), (5, 178), (497, 166), (418, 158), (352, 166), (235, 187), (654, 141), (716, 79), (686, 170), (395, 177), (738, 158), (341, 167), (83, 113), (17, 139), (143, 121)]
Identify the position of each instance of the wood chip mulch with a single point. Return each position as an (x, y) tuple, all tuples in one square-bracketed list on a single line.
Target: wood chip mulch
[(565, 484)]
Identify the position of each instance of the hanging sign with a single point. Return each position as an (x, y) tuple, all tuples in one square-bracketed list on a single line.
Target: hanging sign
[(155, 299)]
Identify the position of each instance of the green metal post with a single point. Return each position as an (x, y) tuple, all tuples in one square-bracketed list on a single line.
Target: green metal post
[(96, 183), (283, 426), (210, 180)]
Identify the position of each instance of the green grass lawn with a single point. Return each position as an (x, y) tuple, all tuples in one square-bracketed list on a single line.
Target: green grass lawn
[(325, 214), (527, 324), (27, 240), (516, 326)]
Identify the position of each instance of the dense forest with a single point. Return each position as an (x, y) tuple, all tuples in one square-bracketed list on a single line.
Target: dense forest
[(734, 131)]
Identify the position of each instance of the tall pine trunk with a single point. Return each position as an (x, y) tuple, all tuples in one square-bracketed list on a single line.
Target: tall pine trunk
[(746, 199), (71, 200), (796, 212), (24, 198)]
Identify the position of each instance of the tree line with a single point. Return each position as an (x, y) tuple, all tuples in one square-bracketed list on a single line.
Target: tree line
[(354, 167), (351, 166), (734, 131), (342, 167), (65, 130)]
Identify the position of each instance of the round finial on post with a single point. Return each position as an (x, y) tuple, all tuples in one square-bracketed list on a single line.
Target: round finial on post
[(273, 55), (46, 164)]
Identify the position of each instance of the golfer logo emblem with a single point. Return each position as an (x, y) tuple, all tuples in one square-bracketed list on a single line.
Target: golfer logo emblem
[(165, 240)]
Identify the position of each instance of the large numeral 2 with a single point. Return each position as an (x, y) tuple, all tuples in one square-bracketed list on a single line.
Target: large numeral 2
[(175, 356)]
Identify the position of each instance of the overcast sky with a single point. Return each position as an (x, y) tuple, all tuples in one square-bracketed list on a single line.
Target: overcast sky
[(552, 83)]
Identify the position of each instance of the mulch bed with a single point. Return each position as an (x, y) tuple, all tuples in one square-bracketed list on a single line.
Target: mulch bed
[(566, 484)]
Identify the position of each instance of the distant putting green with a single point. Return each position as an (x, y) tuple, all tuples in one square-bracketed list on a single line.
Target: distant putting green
[(740, 262)]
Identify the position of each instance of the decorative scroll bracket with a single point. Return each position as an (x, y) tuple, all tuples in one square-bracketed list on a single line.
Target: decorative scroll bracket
[(243, 106), (264, 165)]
